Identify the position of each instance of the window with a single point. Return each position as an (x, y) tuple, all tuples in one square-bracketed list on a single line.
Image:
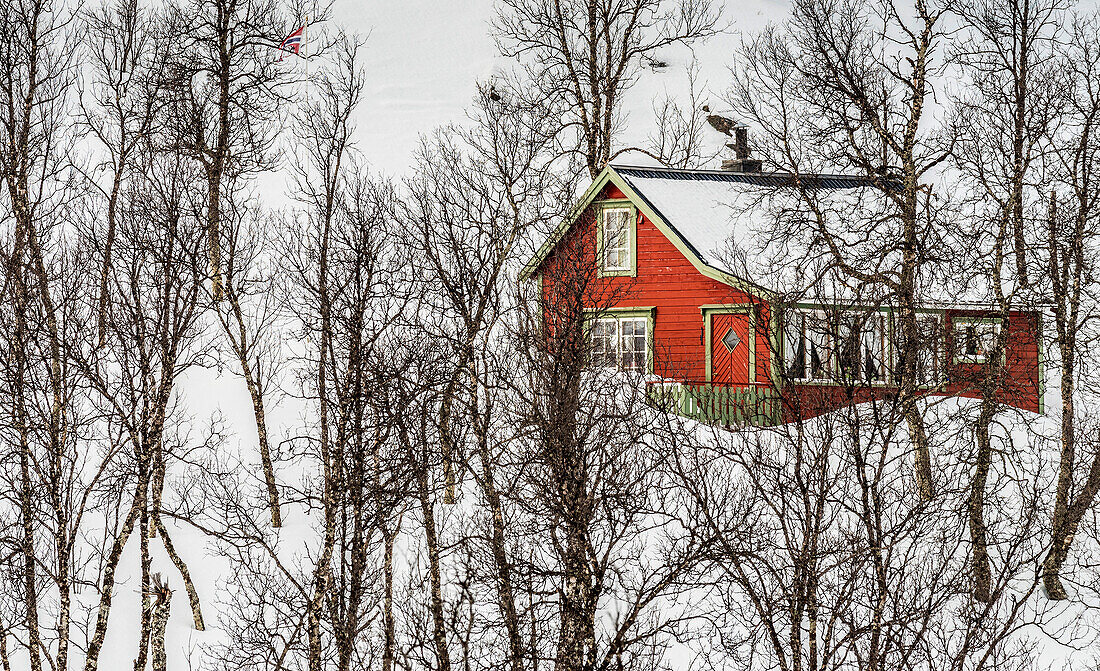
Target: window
[(819, 346), (794, 345), (616, 244), (845, 345), (621, 342), (929, 349), (873, 344), (975, 339)]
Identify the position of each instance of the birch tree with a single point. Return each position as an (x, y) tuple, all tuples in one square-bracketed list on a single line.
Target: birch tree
[(1004, 126), (587, 55), (1067, 252), (846, 88), (40, 407)]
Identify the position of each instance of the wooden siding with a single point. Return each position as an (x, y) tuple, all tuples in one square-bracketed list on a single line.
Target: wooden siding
[(668, 281)]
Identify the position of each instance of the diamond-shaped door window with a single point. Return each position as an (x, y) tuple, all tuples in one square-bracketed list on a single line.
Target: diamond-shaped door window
[(730, 340)]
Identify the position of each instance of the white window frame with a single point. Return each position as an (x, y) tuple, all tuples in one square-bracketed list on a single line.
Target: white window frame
[(629, 259), (618, 319), (959, 338)]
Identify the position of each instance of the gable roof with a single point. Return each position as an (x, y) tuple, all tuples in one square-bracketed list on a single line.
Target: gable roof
[(699, 211)]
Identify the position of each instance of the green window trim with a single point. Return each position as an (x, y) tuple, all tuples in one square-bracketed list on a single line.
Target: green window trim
[(632, 234), (649, 313)]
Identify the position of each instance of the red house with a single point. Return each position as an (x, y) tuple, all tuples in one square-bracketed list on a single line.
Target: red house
[(720, 346)]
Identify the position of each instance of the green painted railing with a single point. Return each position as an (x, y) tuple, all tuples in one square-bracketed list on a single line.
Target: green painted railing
[(717, 404)]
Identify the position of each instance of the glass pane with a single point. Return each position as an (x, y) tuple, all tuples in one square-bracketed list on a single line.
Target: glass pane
[(819, 346), (616, 239), (730, 340), (794, 346), (603, 342), (874, 349), (632, 343), (986, 339), (975, 341)]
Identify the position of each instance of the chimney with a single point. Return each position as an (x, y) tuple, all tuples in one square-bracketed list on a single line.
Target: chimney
[(741, 142), (740, 149)]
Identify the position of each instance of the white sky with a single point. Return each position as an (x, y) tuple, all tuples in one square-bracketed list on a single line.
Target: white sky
[(424, 59)]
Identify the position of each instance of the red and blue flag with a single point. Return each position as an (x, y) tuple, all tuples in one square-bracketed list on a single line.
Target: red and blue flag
[(293, 42)]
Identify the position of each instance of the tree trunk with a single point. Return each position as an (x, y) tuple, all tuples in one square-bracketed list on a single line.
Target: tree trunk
[(322, 572), (161, 608), (108, 248), (22, 419), (242, 348), (265, 452), (388, 621), (30, 585), (922, 465), (505, 589), (439, 625), (192, 594), (146, 611), (91, 659), (575, 637), (64, 588), (918, 436), (5, 661), (1060, 526), (980, 571)]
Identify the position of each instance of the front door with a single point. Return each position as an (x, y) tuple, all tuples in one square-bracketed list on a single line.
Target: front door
[(730, 348)]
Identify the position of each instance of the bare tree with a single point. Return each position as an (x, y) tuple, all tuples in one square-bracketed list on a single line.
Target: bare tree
[(121, 102), (1068, 251), (249, 318), (845, 88), (680, 139), (587, 55), (612, 545), (475, 198), (1011, 109), (40, 397), (347, 290), (161, 605), (154, 334), (229, 90)]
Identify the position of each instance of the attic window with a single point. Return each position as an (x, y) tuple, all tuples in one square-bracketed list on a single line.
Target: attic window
[(616, 241)]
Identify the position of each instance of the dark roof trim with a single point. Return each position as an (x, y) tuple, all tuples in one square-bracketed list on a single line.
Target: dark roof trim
[(766, 179)]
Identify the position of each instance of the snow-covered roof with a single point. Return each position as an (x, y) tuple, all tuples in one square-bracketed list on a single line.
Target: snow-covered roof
[(720, 218), (717, 212)]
